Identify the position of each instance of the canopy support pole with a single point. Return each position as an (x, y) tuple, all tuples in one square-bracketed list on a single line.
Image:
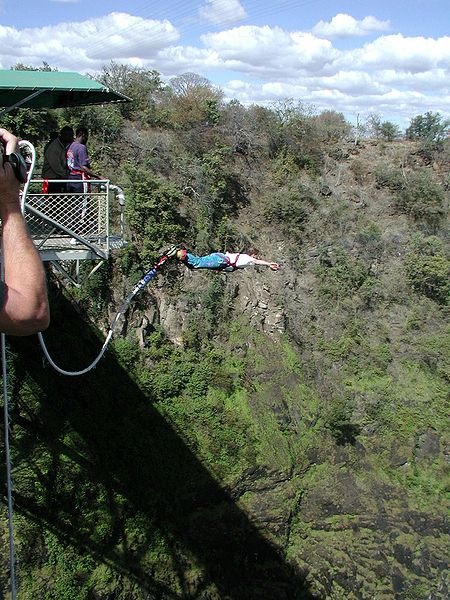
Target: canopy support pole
[(17, 104)]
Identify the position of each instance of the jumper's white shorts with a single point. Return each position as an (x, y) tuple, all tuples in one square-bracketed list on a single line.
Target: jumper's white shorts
[(243, 260)]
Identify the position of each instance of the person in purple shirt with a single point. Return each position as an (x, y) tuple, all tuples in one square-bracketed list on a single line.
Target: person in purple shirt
[(78, 161)]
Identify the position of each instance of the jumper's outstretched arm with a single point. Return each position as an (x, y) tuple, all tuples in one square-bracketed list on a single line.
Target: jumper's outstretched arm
[(273, 265)]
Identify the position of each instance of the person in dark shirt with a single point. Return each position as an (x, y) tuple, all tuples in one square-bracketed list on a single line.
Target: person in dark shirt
[(55, 160)]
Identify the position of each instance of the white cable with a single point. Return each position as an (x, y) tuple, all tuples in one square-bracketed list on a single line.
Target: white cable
[(74, 373), (12, 560), (93, 364), (123, 307), (30, 147)]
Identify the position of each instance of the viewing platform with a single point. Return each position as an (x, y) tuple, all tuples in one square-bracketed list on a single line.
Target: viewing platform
[(69, 227)]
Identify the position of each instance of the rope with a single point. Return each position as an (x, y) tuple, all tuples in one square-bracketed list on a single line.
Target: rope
[(12, 560), (74, 373), (122, 309)]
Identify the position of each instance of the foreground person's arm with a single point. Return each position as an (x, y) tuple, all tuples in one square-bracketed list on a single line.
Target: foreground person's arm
[(23, 298)]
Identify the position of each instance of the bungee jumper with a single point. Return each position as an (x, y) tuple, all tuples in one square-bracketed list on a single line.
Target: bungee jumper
[(218, 261), (222, 261)]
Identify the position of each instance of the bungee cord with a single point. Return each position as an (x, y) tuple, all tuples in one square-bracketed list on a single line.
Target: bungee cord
[(122, 309)]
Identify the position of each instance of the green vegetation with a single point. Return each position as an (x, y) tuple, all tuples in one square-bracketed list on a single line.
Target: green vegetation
[(418, 194), (428, 268), (253, 435), (341, 276), (430, 126), (152, 213), (385, 130), (430, 275), (422, 197)]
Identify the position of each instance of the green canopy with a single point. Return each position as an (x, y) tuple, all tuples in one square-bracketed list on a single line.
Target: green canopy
[(52, 89)]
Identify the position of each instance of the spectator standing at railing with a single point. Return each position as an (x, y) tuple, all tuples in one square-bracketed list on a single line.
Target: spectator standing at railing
[(53, 135), (79, 162), (55, 161)]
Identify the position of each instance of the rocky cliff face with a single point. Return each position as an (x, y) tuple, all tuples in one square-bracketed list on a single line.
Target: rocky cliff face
[(347, 486), (256, 435)]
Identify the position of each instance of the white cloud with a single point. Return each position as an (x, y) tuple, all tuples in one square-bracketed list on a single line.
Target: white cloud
[(392, 74), (351, 83), (343, 25), (433, 80), (221, 12), (89, 44), (180, 59), (414, 54), (268, 51)]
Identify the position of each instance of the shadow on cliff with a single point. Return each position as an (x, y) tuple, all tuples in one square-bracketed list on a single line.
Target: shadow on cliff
[(100, 431)]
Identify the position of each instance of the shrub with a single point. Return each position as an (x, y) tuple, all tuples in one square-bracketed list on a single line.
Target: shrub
[(370, 238), (390, 178), (340, 277), (152, 213), (427, 245), (290, 205), (430, 275), (127, 351), (338, 421), (422, 197), (286, 167), (360, 170), (418, 194)]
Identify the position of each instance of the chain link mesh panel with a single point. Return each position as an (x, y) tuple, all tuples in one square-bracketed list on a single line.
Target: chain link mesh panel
[(86, 215)]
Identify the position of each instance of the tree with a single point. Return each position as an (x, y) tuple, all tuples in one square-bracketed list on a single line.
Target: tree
[(385, 130), (21, 67), (331, 126), (152, 213), (429, 127), (389, 131), (141, 85), (194, 99), (31, 124), (374, 124), (430, 275), (299, 143), (248, 130)]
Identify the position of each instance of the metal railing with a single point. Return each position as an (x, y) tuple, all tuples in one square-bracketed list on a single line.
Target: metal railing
[(75, 225)]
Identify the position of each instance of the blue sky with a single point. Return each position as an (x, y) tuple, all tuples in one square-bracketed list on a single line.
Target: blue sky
[(355, 56)]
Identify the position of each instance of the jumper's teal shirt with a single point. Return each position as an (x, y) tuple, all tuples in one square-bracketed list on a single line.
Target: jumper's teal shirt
[(216, 260)]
